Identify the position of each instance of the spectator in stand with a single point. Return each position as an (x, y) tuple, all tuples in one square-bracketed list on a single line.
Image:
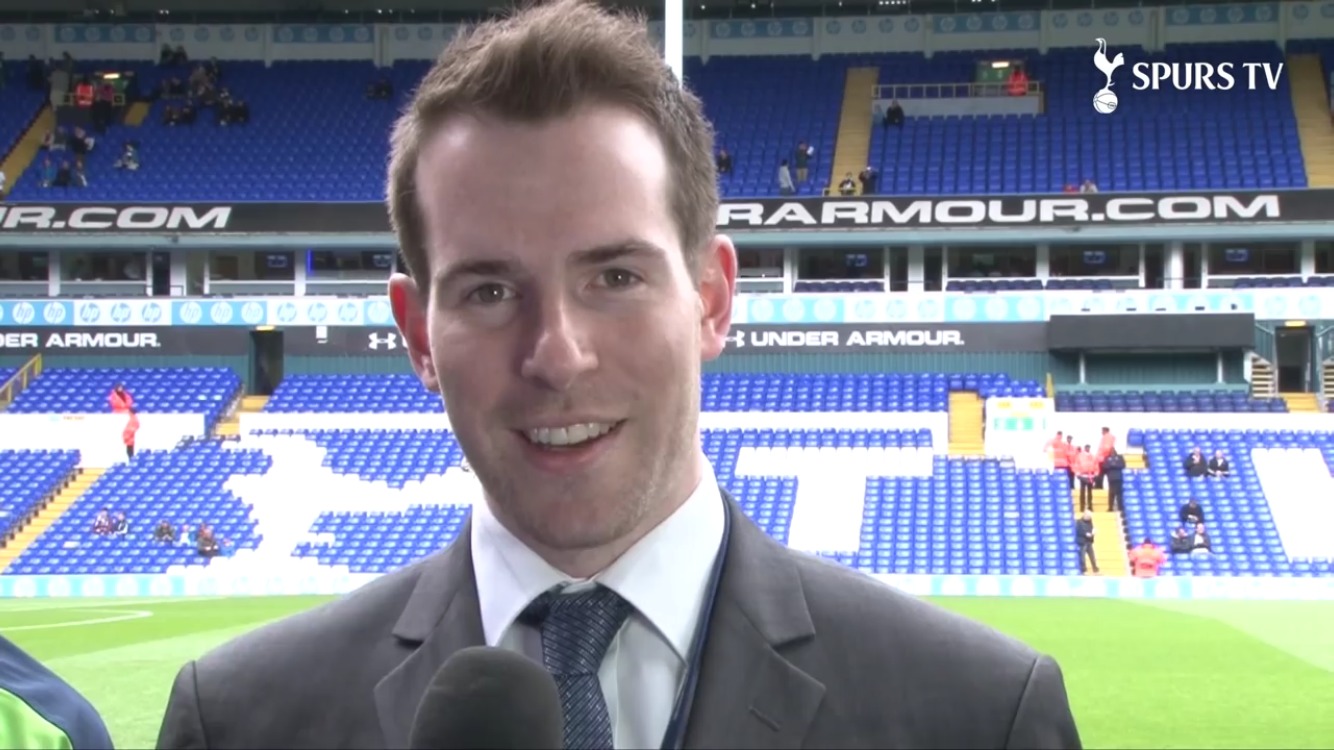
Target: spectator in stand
[(381, 89), (1084, 534), (1180, 541), (64, 174), (121, 400), (1106, 446), (165, 532), (1070, 188), (1146, 559), (785, 185), (801, 159), (870, 180), (1195, 464), (1059, 451), (206, 544), (48, 172), (1113, 468), (723, 161), (1218, 465), (1086, 469), (1089, 186), (1191, 513), (129, 157), (120, 524), (893, 114), (41, 711), (848, 186), (79, 176), (128, 435), (1200, 544), (102, 524)]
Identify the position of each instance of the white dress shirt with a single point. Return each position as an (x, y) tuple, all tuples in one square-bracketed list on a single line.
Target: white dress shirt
[(665, 576)]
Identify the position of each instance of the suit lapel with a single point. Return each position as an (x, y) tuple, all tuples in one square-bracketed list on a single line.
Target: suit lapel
[(750, 694), (442, 616)]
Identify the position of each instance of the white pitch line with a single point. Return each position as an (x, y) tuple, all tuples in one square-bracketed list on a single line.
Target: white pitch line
[(120, 616), (62, 602)]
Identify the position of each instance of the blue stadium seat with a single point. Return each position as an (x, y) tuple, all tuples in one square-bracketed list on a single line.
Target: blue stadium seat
[(1217, 401), (820, 392), (180, 390), (1245, 540), (26, 479), (184, 486), (310, 126)]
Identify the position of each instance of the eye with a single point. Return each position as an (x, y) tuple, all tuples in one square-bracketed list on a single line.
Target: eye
[(619, 277), (490, 294)]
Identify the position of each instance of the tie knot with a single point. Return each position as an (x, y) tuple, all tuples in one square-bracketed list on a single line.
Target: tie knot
[(577, 629)]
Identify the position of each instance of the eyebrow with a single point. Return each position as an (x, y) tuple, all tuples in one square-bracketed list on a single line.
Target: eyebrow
[(594, 256)]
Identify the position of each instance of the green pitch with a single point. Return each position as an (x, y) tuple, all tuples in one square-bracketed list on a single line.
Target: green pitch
[(1140, 675)]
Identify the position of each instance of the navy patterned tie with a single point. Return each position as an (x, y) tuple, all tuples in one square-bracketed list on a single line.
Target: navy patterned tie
[(577, 630)]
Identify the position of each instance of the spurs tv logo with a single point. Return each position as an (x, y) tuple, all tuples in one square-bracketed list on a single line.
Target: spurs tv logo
[(1105, 100), (1183, 76)]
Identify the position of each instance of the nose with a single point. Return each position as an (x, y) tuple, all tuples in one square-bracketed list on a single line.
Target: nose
[(560, 352)]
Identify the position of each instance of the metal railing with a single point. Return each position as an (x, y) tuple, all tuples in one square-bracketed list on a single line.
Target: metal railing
[(909, 91), (20, 380)]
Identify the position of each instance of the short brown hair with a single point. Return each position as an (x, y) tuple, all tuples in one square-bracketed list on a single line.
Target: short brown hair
[(543, 62)]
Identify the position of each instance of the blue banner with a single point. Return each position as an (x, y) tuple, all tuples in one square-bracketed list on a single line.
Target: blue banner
[(773, 309)]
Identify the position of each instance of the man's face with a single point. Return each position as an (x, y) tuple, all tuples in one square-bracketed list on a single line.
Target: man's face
[(561, 324)]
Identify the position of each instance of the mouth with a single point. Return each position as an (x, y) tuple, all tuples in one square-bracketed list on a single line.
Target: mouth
[(570, 437), (568, 450)]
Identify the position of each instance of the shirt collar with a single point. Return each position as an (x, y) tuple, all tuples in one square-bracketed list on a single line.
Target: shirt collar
[(664, 575)]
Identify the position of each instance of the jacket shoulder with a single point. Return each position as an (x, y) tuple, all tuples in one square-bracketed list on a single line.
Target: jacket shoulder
[(294, 649), (896, 666)]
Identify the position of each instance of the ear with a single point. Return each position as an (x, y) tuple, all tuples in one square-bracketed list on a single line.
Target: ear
[(717, 288), (410, 314)]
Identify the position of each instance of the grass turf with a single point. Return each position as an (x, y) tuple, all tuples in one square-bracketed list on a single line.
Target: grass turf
[(1209, 674)]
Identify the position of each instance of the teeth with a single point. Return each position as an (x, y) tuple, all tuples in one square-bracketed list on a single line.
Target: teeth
[(572, 435)]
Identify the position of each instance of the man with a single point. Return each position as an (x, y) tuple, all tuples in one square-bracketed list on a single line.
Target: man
[(1190, 513), (1218, 465), (1086, 470), (39, 711), (1113, 468), (1146, 559), (1195, 464), (1059, 451), (120, 399), (1084, 534), (589, 232)]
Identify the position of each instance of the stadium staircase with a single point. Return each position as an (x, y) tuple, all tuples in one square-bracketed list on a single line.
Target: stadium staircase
[(1310, 102), (27, 148), (11, 388), (1264, 383), (1302, 403), (230, 425), (50, 512), (1109, 540), (852, 149), (1327, 371), (137, 113), (966, 417)]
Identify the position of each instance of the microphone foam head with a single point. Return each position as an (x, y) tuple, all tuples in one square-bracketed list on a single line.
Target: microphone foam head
[(487, 698)]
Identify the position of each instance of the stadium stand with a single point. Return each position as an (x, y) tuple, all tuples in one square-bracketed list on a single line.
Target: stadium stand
[(1173, 141), (1230, 402), (28, 478), (311, 121), (1271, 516), (186, 486), (182, 390)]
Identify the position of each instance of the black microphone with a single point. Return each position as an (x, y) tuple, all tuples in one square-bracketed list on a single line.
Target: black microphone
[(489, 699)]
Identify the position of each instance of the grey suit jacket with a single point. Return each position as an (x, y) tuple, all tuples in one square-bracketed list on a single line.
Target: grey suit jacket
[(801, 653)]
